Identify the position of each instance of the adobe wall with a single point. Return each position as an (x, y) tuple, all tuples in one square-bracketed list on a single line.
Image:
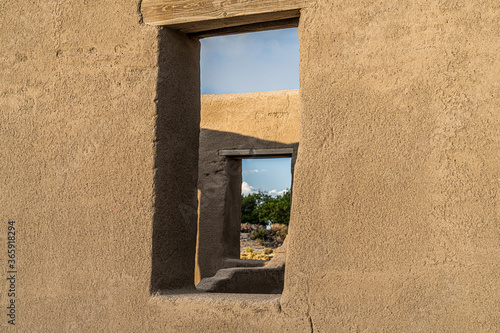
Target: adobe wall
[(235, 121), (269, 116), (394, 223), (397, 173)]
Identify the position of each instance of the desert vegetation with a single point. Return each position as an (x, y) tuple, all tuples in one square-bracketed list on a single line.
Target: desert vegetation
[(265, 223)]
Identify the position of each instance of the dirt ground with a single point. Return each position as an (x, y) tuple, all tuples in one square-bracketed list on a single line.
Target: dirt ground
[(246, 241)]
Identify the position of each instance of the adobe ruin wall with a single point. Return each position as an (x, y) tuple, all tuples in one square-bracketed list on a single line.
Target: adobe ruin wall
[(250, 121), (395, 216)]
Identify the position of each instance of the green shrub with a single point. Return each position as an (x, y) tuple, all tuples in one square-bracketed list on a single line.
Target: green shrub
[(249, 250), (268, 250), (260, 233)]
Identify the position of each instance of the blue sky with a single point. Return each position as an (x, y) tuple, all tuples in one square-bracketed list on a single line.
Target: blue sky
[(250, 62), (253, 62), (272, 175)]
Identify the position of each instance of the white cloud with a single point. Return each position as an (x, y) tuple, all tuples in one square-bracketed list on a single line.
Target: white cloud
[(276, 192), (247, 172), (247, 189)]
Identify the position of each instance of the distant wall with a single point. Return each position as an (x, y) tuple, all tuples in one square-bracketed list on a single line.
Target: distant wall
[(270, 116), (235, 121)]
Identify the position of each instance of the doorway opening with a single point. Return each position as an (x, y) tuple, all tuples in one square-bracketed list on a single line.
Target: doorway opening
[(188, 204), (265, 206)]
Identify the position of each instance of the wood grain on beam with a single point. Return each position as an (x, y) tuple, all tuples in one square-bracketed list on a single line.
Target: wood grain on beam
[(194, 16)]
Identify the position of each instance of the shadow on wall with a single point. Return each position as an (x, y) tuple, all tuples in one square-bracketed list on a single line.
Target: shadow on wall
[(176, 162), (219, 185)]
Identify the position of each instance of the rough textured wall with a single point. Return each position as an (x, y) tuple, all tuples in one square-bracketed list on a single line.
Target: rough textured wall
[(397, 174), (87, 158), (270, 116), (83, 136), (252, 120), (78, 83), (395, 210), (176, 161)]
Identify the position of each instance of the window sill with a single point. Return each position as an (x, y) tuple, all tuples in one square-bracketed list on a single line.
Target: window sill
[(269, 301)]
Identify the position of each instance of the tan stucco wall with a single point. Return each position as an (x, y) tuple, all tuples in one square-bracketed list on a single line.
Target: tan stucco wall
[(269, 116), (235, 121), (78, 83), (398, 166), (395, 224)]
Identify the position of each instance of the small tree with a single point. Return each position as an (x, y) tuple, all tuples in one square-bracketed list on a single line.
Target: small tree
[(276, 210), (249, 208), (261, 208)]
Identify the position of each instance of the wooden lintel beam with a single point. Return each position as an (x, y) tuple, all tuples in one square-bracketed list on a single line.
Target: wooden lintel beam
[(195, 16), (281, 24), (257, 152)]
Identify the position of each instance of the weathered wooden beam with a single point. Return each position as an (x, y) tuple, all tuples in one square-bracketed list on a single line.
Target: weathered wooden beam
[(257, 153), (194, 16), (281, 24)]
